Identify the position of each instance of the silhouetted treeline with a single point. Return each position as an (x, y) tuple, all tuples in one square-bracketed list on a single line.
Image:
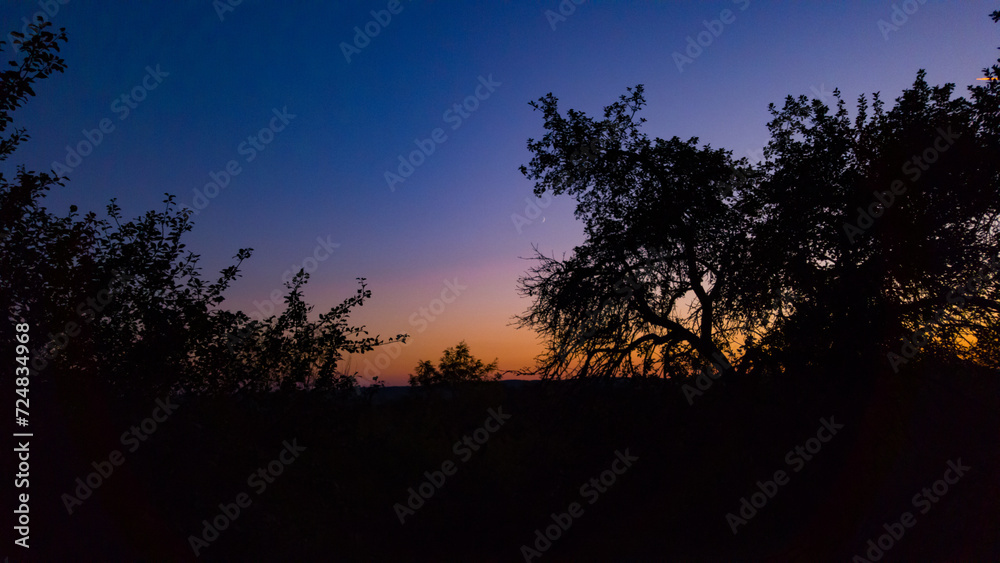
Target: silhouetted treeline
[(121, 305), (858, 242)]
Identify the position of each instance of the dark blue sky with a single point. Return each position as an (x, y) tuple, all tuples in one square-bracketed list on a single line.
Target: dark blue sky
[(321, 174)]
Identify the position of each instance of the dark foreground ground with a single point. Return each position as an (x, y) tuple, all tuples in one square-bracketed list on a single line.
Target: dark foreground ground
[(339, 468)]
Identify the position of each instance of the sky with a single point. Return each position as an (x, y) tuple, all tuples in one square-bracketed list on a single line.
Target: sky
[(301, 114)]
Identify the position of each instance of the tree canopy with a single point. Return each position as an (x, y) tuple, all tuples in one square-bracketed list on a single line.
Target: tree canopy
[(851, 241), (661, 228)]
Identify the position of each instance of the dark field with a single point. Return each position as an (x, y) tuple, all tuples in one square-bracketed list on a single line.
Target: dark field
[(357, 459)]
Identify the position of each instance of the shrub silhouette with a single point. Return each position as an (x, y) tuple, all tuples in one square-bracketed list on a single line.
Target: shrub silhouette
[(123, 303), (457, 365)]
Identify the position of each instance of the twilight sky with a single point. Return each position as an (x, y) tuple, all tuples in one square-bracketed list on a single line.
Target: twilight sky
[(184, 90)]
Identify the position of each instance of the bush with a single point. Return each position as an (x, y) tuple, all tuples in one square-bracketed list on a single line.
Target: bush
[(457, 366), (121, 305)]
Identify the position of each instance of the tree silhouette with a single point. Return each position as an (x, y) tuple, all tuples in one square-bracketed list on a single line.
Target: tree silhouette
[(662, 236), (864, 233), (121, 305), (850, 242), (21, 257), (457, 365)]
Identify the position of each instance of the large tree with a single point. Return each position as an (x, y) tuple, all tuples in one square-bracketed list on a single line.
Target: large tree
[(855, 243), (874, 233), (641, 297)]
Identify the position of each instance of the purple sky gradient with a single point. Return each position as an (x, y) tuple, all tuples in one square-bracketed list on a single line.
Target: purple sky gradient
[(323, 174)]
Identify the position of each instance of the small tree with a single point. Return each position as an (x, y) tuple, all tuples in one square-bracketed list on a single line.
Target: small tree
[(457, 366), (288, 349)]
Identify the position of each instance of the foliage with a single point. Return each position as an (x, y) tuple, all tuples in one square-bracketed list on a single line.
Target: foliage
[(20, 212), (662, 236), (850, 268), (123, 304), (806, 260), (457, 365), (288, 349)]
